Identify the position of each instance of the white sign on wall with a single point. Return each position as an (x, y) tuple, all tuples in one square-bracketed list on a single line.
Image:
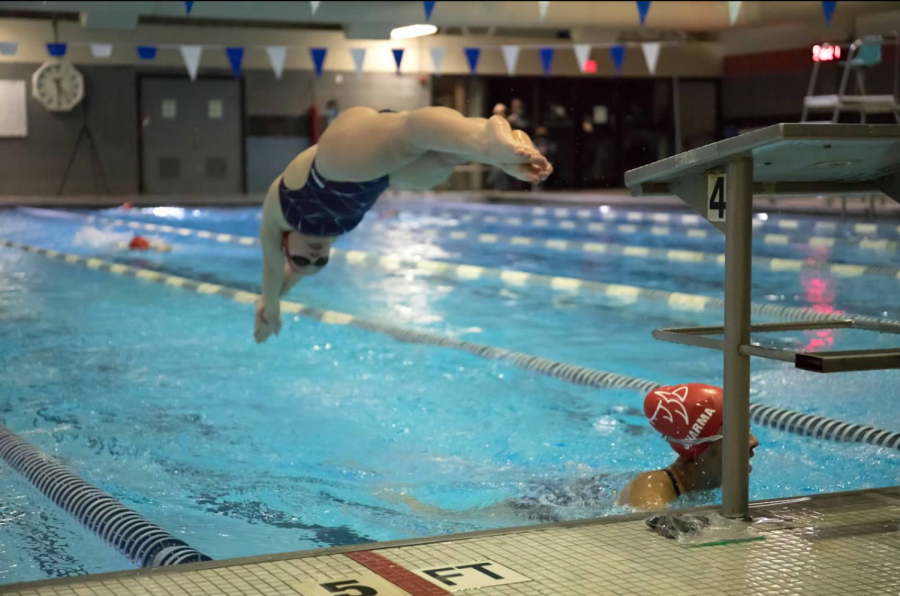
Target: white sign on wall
[(215, 109), (169, 109), (13, 109)]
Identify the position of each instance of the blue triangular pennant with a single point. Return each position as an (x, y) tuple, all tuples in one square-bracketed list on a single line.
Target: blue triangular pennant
[(57, 50), (618, 56), (235, 56), (146, 52), (643, 9), (429, 7), (828, 7), (318, 57), (472, 55), (398, 57), (188, 6), (547, 59)]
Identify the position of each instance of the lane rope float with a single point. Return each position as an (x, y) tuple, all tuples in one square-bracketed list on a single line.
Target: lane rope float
[(632, 222), (623, 293), (801, 424), (663, 254), (144, 543)]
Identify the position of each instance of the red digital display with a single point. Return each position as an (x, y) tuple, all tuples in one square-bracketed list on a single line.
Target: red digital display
[(826, 53)]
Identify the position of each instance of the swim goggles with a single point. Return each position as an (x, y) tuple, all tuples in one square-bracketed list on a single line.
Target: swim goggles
[(304, 262), (692, 442), (297, 261)]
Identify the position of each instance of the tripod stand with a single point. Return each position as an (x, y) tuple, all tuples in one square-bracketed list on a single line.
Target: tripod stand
[(96, 165)]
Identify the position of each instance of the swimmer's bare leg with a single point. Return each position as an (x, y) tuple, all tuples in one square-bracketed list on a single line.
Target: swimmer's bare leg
[(364, 145)]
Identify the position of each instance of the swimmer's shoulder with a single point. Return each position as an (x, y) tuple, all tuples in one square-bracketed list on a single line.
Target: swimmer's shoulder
[(294, 176), (649, 491), (297, 172)]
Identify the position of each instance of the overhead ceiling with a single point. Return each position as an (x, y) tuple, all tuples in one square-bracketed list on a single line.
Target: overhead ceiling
[(580, 18)]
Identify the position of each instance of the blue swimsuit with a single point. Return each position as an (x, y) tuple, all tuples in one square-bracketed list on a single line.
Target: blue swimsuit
[(325, 208)]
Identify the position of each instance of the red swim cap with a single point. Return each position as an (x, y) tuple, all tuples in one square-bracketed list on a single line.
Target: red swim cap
[(139, 243), (684, 414)]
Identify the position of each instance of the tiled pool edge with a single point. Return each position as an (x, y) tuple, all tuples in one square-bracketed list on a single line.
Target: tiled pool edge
[(886, 495)]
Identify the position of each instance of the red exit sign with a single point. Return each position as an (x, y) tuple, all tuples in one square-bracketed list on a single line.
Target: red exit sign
[(826, 53)]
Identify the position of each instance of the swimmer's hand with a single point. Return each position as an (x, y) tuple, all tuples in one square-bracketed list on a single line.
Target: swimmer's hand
[(267, 322)]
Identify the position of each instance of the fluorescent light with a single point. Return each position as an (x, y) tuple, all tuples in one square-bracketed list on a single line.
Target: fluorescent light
[(413, 31)]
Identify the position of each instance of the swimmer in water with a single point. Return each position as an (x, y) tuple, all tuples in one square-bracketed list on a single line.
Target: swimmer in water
[(690, 418), (325, 191)]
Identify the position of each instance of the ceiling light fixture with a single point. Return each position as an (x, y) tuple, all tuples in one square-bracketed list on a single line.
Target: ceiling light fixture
[(411, 31)]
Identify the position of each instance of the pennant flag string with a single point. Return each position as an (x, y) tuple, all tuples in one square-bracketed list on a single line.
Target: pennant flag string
[(359, 56), (101, 50), (582, 53), (318, 57), (828, 7), (643, 7), (8, 48), (618, 56), (437, 59), (651, 55), (191, 57), (57, 50), (314, 6), (398, 57), (547, 59), (236, 57), (472, 55), (511, 57), (734, 9), (429, 7), (188, 5), (543, 7), (146, 52), (277, 56)]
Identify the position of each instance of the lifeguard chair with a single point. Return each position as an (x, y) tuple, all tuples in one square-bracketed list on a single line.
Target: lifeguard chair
[(863, 53)]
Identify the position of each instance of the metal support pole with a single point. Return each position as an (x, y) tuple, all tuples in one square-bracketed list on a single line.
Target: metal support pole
[(676, 114), (738, 253)]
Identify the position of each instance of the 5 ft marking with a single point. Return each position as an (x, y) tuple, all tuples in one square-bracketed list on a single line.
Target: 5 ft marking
[(364, 584)]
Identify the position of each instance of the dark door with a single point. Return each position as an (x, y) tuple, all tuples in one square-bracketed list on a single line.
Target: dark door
[(191, 136)]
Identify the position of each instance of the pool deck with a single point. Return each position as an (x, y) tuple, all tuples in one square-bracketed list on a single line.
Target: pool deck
[(838, 544)]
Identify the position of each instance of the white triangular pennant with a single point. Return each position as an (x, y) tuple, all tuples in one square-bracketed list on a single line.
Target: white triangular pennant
[(437, 59), (542, 8), (101, 50), (734, 9), (511, 57), (359, 56), (582, 53), (276, 59), (314, 5), (191, 57), (651, 54)]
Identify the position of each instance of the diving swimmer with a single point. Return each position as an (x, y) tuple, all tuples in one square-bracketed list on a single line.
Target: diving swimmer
[(327, 189)]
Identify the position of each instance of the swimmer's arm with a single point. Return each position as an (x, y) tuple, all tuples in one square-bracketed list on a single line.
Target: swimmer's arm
[(270, 233), (650, 491), (426, 172)]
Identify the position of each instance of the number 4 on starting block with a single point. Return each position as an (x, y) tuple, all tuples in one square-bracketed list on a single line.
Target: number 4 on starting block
[(715, 195)]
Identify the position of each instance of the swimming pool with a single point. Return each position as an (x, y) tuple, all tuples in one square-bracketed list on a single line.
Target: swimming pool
[(320, 436)]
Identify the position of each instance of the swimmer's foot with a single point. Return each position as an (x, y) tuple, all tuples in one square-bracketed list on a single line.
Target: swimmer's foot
[(503, 147)]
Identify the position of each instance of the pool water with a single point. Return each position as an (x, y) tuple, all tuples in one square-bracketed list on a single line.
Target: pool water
[(331, 435)]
